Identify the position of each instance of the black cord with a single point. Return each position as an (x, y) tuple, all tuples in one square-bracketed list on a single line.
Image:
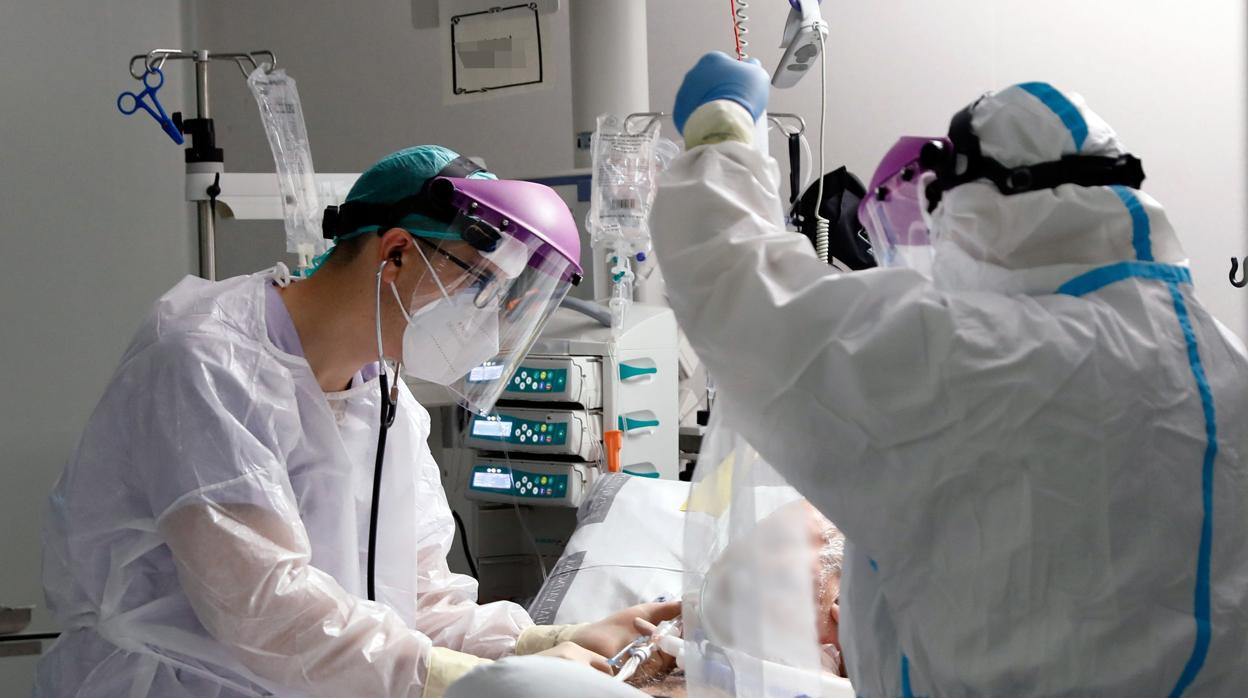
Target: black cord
[(29, 636), (463, 539), (372, 515), (795, 168), (388, 410)]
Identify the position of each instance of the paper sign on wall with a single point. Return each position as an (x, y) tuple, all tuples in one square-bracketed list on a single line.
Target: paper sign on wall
[(494, 53)]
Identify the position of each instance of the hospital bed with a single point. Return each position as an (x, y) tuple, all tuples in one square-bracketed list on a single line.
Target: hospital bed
[(628, 549)]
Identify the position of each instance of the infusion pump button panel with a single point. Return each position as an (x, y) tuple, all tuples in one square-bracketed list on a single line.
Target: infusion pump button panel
[(547, 484), (574, 379), (532, 381), (561, 432)]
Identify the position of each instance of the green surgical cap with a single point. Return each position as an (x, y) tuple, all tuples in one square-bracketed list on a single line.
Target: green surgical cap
[(400, 175)]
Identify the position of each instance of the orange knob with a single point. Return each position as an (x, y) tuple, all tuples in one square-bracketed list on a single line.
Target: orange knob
[(613, 440)]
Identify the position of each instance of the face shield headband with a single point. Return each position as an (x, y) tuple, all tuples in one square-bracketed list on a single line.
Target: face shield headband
[(961, 160), (342, 221)]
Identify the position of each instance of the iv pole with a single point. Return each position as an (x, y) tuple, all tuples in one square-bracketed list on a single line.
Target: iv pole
[(203, 157), (205, 209)]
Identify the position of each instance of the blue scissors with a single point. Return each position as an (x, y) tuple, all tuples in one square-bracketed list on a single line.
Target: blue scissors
[(129, 102)]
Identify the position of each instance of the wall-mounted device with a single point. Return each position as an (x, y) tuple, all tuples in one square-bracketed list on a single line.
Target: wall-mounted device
[(804, 31)]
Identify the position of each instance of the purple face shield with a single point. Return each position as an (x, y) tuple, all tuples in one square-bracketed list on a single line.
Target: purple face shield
[(515, 259), (486, 209), (892, 211)]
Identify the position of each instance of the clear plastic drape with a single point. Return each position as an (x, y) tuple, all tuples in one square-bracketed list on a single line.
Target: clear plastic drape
[(749, 613)]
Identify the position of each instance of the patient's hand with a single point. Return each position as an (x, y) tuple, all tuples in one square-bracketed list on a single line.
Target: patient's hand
[(658, 667), (573, 652), (613, 633), (659, 676)]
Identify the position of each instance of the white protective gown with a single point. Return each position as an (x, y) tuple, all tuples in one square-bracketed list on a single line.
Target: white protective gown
[(209, 537), (1040, 459)]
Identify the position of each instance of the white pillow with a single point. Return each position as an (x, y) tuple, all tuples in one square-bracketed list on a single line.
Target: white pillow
[(626, 550)]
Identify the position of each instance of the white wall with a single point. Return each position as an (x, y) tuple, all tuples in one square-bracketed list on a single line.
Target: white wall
[(92, 229), (1169, 76)]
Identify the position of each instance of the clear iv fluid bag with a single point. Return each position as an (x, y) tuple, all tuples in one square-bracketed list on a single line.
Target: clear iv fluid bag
[(282, 115), (626, 168), (625, 172)]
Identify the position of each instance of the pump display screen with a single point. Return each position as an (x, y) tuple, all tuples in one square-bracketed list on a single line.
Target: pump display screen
[(500, 479), (491, 481), (486, 373), (491, 429)]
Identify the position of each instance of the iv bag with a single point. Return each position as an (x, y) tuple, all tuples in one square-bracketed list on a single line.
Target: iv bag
[(282, 116), (625, 169)]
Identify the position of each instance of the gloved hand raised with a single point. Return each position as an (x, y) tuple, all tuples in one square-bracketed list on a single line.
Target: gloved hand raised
[(719, 76)]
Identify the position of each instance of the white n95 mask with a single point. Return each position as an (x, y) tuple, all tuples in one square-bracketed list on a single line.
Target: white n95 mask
[(449, 337)]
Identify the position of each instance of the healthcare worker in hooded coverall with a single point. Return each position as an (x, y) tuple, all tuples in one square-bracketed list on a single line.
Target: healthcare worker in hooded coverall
[(210, 535), (1037, 453)]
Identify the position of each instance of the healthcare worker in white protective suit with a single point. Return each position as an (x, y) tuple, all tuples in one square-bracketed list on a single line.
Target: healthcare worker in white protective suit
[(1037, 453), (211, 535)]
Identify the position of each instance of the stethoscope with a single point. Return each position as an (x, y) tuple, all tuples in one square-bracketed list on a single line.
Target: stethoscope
[(389, 408)]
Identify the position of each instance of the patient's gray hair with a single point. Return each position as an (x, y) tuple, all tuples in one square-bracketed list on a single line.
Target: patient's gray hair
[(831, 556)]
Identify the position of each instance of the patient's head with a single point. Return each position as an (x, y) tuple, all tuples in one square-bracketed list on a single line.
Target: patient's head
[(761, 571), (830, 544)]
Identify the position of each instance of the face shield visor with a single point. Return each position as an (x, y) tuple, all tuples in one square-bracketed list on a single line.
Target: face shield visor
[(488, 286), (892, 211)]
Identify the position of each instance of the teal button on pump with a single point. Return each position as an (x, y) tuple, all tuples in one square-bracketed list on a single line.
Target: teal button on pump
[(630, 372), (629, 424)]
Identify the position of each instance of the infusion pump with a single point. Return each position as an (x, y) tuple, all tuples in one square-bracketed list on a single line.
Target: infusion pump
[(545, 443)]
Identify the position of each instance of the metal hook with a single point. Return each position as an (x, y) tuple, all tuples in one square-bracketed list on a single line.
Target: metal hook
[(252, 57), (271, 64), (655, 116), (777, 118), (133, 60), (242, 61), (1243, 278), (157, 57), (155, 60), (152, 60)]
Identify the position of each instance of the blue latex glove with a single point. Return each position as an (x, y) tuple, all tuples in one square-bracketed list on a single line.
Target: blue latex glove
[(719, 76)]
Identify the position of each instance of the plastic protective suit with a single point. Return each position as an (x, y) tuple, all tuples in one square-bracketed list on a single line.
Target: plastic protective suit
[(1039, 455), (209, 538)]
